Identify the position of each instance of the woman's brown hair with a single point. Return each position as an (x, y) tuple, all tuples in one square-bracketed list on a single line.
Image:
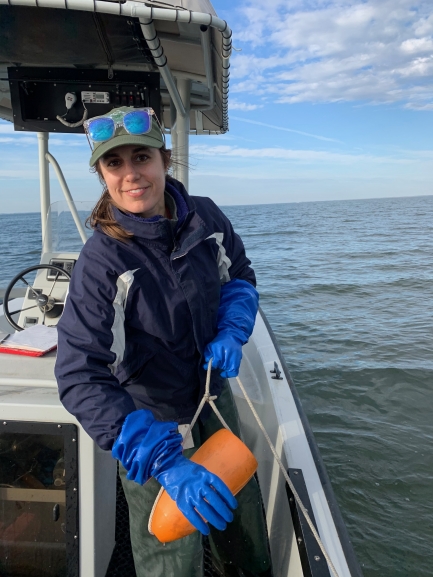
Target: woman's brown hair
[(102, 214)]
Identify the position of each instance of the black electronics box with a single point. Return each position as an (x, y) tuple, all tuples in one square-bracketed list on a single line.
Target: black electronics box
[(38, 95)]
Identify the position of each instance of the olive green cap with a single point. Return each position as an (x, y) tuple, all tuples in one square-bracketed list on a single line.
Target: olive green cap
[(153, 139)]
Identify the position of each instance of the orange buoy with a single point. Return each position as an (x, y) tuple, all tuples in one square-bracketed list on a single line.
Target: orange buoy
[(223, 454)]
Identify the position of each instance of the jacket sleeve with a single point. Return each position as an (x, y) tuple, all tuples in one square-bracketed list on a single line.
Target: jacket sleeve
[(238, 308), (232, 260), (91, 342)]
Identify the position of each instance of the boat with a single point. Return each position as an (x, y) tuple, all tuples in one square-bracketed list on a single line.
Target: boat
[(62, 509)]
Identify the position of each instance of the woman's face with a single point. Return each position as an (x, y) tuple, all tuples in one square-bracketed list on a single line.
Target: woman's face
[(135, 179)]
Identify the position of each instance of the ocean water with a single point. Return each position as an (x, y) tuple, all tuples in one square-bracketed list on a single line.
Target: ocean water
[(348, 288)]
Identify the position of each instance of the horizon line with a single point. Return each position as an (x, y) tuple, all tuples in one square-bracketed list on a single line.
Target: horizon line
[(272, 203)]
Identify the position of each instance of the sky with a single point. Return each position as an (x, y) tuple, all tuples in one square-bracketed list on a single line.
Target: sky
[(329, 100)]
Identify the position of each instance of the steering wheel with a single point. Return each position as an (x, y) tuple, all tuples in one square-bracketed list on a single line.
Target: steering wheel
[(47, 304)]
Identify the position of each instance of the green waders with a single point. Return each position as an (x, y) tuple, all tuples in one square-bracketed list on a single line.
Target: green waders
[(243, 545)]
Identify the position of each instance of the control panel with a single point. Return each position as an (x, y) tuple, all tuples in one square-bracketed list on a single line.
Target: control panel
[(95, 97), (65, 264), (59, 99)]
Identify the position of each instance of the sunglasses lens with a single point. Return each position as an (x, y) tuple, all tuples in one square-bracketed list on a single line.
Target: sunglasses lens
[(137, 122), (101, 129)]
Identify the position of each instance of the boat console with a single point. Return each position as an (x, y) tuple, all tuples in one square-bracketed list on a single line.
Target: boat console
[(44, 286), (57, 488)]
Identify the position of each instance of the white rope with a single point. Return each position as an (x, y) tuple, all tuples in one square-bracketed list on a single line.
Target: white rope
[(288, 480), (207, 398)]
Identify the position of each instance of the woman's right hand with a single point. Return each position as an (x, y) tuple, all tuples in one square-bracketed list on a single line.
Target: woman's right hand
[(144, 443)]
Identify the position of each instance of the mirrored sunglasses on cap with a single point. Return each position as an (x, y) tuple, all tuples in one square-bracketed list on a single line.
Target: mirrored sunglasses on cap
[(137, 121)]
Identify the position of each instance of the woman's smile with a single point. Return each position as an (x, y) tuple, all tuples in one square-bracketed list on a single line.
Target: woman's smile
[(136, 191)]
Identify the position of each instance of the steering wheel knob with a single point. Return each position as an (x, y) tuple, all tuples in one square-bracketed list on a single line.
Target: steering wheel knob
[(42, 300), (46, 303)]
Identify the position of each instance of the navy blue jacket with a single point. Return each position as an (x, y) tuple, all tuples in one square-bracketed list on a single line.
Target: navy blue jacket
[(139, 315)]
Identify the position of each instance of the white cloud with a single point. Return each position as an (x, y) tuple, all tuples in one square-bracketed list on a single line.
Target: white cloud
[(235, 105), (19, 140), (417, 45), (6, 128), (70, 140), (329, 50), (26, 140), (9, 136), (414, 106), (283, 128), (286, 154)]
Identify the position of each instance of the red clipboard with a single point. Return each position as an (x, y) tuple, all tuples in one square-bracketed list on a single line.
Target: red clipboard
[(24, 352)]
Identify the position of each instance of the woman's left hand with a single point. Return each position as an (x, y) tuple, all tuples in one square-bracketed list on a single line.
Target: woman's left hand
[(226, 354), (198, 493)]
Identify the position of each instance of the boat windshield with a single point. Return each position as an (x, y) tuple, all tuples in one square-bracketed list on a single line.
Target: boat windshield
[(64, 233)]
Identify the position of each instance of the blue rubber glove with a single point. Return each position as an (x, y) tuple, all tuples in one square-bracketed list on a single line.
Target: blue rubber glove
[(196, 492), (142, 441), (147, 447), (226, 351), (239, 302)]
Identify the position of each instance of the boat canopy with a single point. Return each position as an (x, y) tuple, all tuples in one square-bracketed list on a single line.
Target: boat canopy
[(183, 40)]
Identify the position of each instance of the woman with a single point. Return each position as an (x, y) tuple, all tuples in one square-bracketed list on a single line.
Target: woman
[(162, 286)]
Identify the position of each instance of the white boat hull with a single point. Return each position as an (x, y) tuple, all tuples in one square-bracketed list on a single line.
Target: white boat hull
[(28, 393)]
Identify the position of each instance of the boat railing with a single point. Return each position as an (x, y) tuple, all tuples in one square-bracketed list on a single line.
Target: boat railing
[(66, 229), (67, 195)]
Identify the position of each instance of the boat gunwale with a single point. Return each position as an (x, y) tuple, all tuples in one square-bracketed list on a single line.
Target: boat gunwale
[(340, 525)]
